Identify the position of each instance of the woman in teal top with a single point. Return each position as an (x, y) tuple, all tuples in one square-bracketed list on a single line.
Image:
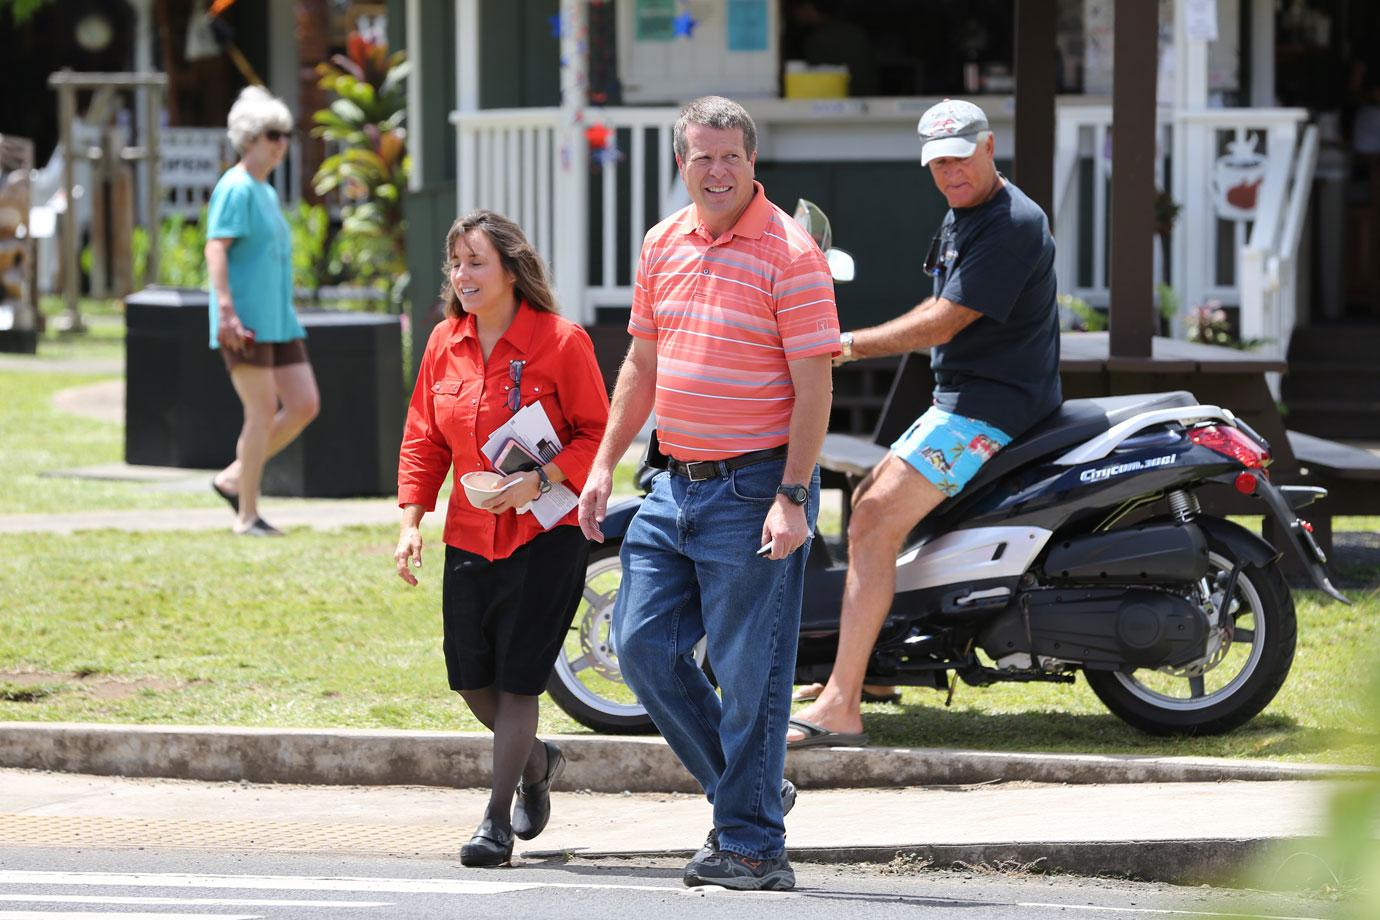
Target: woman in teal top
[(249, 260)]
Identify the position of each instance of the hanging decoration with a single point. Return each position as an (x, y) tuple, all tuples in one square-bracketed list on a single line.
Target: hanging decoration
[(684, 24), (598, 136)]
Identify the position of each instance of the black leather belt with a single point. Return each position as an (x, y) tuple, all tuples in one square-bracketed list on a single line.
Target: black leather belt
[(700, 470)]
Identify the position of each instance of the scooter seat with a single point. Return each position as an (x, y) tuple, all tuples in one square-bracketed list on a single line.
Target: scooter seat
[(1075, 421)]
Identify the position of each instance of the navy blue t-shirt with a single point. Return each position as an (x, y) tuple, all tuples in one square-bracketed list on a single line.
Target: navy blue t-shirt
[(998, 259)]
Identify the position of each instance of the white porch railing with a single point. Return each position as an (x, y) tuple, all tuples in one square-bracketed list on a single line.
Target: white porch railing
[(531, 165), (521, 163), (1212, 258), (1269, 260)]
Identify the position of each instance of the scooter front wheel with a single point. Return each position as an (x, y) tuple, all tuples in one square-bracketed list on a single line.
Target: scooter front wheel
[(586, 681)]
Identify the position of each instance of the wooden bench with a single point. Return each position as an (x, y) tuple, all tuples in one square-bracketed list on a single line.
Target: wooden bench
[(1350, 475)]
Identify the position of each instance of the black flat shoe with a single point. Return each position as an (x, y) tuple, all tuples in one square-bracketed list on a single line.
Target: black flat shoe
[(533, 807), (490, 846)]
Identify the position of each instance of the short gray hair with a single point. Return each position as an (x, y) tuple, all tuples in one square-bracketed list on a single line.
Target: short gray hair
[(715, 112), (254, 112)]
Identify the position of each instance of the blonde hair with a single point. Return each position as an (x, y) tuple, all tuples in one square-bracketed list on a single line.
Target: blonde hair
[(515, 253), (254, 112)]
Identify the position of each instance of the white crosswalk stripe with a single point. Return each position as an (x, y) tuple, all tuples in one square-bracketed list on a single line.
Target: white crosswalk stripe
[(104, 915), (202, 902), (454, 886)]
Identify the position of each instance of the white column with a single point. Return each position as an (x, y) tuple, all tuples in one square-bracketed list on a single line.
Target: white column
[(1262, 75), (143, 63), (466, 100), (416, 124), (1193, 153), (571, 262)]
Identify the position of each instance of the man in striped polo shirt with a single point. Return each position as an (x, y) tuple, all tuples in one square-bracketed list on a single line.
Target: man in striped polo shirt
[(733, 325)]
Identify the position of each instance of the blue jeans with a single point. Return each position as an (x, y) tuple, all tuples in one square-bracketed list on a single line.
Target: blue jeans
[(690, 569)]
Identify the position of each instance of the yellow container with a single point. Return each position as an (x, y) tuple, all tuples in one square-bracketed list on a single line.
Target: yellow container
[(822, 83)]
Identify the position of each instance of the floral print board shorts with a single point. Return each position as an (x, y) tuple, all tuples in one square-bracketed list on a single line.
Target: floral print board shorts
[(949, 449)]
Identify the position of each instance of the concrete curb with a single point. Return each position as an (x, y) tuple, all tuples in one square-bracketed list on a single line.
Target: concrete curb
[(1196, 861), (597, 763)]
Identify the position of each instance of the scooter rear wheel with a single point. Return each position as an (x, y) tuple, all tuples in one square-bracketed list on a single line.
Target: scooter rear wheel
[(1236, 680)]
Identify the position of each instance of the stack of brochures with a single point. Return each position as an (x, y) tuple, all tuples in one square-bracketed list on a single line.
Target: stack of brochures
[(525, 442)]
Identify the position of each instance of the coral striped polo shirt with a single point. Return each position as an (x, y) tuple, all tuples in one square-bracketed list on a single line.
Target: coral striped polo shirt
[(727, 315)]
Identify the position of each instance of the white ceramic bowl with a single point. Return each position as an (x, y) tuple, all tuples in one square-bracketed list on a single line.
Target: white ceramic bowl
[(480, 486)]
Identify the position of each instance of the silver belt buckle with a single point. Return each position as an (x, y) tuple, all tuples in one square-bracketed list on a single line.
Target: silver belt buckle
[(690, 470)]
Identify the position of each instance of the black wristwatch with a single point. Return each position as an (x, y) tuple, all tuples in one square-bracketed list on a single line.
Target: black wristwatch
[(545, 485), (797, 494)]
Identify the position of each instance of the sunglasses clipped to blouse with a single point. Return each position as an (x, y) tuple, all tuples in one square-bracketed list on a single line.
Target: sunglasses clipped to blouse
[(515, 394)]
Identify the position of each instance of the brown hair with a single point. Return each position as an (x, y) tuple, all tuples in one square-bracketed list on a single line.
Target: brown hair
[(515, 254), (714, 112)]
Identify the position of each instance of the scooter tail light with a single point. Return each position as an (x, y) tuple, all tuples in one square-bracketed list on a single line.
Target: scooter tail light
[(1232, 442)]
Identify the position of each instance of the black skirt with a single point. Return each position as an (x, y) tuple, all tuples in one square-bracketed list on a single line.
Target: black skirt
[(505, 620)]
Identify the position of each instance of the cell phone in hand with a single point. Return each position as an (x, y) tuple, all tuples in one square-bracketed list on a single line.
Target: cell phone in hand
[(514, 458)]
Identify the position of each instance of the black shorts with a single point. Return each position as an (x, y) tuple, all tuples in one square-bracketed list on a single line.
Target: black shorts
[(506, 620)]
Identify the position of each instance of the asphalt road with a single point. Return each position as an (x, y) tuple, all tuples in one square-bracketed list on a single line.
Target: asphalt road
[(130, 884)]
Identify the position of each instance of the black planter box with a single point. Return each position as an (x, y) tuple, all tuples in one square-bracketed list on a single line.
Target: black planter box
[(181, 411)]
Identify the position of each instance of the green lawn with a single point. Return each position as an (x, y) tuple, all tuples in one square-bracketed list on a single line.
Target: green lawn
[(316, 630), (39, 440)]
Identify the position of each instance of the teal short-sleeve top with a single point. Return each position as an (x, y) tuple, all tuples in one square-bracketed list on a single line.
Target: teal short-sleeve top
[(260, 259)]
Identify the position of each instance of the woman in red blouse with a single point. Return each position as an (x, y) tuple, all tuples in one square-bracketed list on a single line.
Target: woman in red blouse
[(510, 588)]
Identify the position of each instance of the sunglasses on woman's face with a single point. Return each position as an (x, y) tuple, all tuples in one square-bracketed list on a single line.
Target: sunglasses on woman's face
[(515, 394), (274, 135)]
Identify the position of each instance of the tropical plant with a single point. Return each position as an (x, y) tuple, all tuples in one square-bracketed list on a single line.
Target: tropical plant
[(1210, 324), (310, 227), (23, 10), (181, 248), (370, 168), (1168, 300), (1076, 315)]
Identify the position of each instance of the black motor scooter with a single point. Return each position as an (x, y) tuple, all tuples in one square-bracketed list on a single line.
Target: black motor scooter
[(1081, 546)]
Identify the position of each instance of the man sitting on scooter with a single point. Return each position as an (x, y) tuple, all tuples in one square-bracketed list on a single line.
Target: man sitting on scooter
[(993, 328)]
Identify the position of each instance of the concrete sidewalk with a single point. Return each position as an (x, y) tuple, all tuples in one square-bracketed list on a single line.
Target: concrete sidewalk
[(599, 763), (1158, 818), (1173, 832)]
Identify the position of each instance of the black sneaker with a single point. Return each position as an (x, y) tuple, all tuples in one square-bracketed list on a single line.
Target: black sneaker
[(707, 851), (711, 842), (742, 873)]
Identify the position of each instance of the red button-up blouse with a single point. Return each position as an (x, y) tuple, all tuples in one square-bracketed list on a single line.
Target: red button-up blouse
[(460, 399)]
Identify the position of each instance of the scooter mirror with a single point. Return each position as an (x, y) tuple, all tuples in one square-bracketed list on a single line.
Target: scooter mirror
[(816, 223), (840, 264)]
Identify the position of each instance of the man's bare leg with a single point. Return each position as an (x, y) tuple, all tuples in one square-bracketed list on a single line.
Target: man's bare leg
[(897, 498)]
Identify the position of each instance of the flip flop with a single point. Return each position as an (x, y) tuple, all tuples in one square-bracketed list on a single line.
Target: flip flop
[(260, 528), (806, 694), (230, 497), (819, 736), (881, 697)]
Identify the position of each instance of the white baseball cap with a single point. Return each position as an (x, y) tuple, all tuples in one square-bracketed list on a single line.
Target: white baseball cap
[(950, 129)]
